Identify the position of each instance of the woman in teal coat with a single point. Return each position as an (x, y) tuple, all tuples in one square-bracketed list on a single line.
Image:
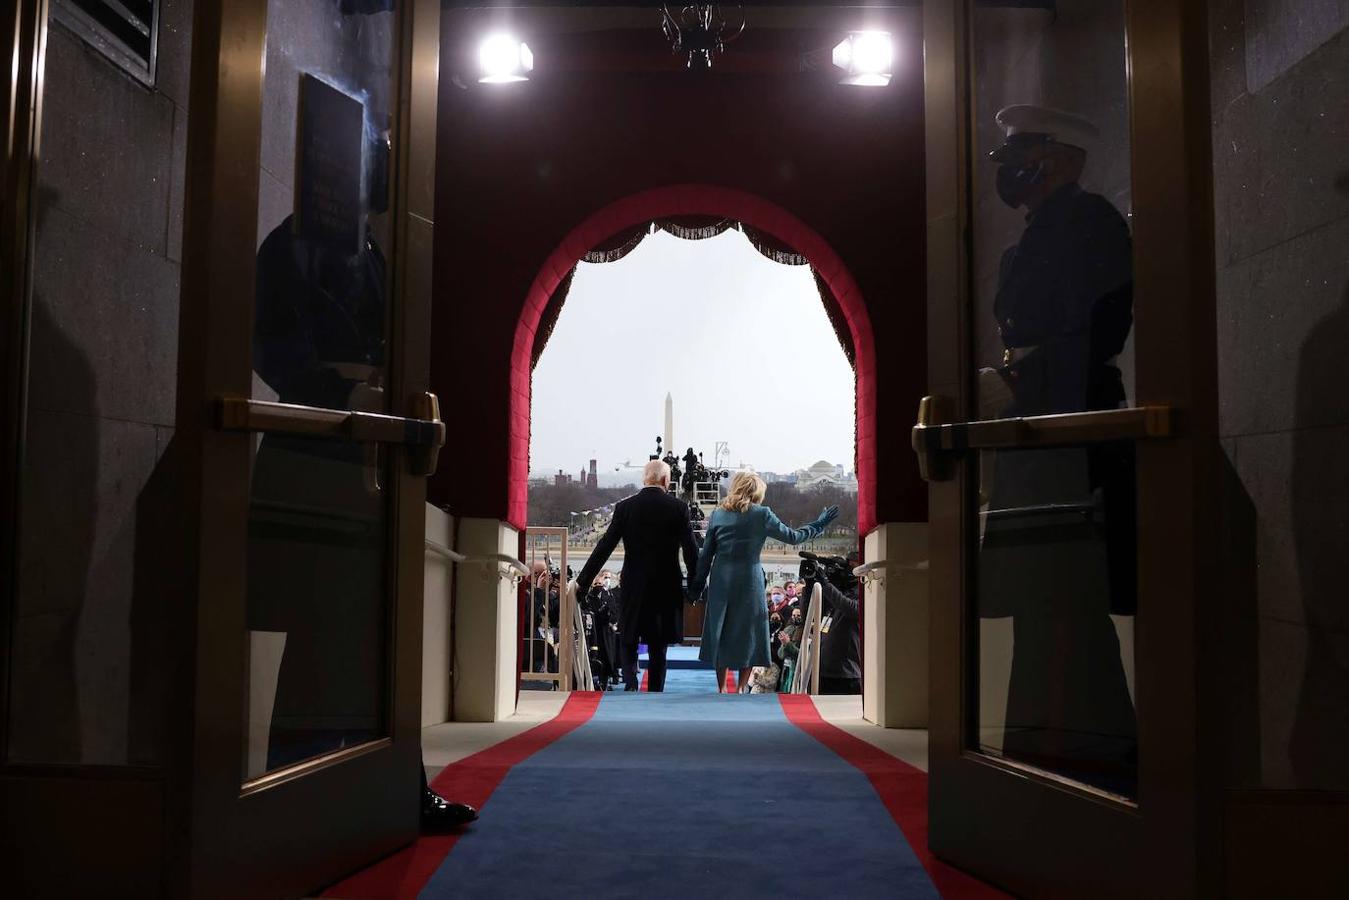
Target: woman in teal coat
[(735, 629)]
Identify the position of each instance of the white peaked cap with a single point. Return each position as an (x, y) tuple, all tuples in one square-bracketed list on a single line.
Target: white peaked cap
[(1059, 126)]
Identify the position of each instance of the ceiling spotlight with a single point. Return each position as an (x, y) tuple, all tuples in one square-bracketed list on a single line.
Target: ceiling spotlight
[(503, 59), (868, 58)]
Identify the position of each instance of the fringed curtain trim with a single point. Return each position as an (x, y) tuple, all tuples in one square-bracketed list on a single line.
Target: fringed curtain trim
[(618, 246), (695, 228), (691, 228), (836, 319), (773, 248), (550, 315)]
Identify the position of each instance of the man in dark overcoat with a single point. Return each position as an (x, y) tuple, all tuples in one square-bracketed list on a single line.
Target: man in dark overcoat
[(655, 528)]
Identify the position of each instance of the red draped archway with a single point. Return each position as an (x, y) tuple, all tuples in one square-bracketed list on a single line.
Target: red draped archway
[(695, 200)]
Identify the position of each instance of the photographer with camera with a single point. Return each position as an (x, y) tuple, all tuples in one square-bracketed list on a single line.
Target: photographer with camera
[(547, 610), (840, 619), (602, 603)]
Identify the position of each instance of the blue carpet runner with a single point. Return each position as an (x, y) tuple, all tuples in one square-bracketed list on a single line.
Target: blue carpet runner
[(679, 796)]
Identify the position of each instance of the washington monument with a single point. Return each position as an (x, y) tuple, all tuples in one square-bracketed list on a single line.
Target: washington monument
[(669, 423)]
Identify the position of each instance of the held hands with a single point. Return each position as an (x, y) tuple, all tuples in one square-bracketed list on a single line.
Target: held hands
[(827, 515)]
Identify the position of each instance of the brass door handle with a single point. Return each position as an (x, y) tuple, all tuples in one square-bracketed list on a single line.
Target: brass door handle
[(939, 444), (423, 435)]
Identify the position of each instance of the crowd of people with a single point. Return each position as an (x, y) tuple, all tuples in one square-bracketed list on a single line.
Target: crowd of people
[(786, 604)]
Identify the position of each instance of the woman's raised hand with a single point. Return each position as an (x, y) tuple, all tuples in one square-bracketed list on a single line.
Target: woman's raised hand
[(827, 515)]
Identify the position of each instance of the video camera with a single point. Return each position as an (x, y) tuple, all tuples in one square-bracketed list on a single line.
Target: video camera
[(834, 569)]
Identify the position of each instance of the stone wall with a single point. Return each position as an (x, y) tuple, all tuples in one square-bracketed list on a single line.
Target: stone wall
[(103, 376), (1280, 99)]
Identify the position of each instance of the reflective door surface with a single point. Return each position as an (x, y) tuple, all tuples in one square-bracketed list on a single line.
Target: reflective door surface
[(306, 311), (1052, 283), (1071, 371), (319, 508)]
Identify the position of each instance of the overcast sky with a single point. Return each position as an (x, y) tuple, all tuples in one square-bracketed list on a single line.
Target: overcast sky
[(741, 342)]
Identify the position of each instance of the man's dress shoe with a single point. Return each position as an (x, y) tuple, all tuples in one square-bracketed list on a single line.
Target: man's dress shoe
[(440, 815)]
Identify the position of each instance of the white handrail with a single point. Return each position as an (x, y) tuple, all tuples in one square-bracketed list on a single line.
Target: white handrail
[(504, 559), (444, 552), (875, 571), (500, 559), (807, 657)]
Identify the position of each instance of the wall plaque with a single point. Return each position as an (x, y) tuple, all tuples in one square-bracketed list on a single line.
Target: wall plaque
[(331, 136)]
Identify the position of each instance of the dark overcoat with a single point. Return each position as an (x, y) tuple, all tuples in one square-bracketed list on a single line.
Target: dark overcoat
[(654, 527)]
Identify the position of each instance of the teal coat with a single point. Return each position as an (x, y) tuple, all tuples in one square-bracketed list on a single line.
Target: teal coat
[(735, 629)]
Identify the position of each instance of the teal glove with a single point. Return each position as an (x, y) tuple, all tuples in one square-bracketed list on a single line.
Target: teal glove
[(827, 515)]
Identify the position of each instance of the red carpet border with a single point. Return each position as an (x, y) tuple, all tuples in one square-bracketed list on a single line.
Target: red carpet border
[(471, 780), (901, 787)]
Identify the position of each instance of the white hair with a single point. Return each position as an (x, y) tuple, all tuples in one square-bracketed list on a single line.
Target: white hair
[(656, 473)]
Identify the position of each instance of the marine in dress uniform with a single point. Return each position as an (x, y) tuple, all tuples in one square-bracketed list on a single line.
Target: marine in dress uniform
[(1058, 544)]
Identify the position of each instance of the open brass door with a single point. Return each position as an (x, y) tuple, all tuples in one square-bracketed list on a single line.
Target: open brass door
[(1069, 441), (309, 433)]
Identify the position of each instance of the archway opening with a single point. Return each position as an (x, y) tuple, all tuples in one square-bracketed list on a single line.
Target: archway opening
[(618, 228), (832, 328)]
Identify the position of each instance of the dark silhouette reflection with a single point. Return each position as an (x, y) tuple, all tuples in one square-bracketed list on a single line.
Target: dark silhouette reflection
[(317, 520), (158, 648), (59, 512), (1320, 496), (1058, 551)]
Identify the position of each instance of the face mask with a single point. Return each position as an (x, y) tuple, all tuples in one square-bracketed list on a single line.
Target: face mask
[(777, 598), (608, 582), (1016, 183)]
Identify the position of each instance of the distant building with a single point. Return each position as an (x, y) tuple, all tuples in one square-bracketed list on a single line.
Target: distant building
[(562, 478), (823, 474), (592, 480)]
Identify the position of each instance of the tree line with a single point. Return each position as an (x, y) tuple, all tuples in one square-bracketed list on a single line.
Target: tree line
[(552, 504), (797, 507)]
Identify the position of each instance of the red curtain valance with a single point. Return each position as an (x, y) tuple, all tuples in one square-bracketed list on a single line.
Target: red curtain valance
[(691, 228)]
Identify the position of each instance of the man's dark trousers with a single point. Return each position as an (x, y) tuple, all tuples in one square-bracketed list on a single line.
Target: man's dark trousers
[(655, 654)]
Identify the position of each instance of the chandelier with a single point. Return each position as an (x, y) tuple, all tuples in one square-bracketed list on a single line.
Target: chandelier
[(701, 30)]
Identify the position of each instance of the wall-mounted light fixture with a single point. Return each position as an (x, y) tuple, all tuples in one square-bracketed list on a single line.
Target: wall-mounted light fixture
[(868, 58), (502, 59)]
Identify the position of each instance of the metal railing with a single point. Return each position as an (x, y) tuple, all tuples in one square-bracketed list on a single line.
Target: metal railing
[(808, 657), (549, 649), (583, 677)]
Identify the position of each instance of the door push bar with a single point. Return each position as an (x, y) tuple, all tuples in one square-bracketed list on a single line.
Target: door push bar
[(423, 436), (939, 444)]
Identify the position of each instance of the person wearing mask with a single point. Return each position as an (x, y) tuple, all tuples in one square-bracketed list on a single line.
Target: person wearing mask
[(735, 630), (1064, 310), (547, 611), (602, 601), (789, 648)]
